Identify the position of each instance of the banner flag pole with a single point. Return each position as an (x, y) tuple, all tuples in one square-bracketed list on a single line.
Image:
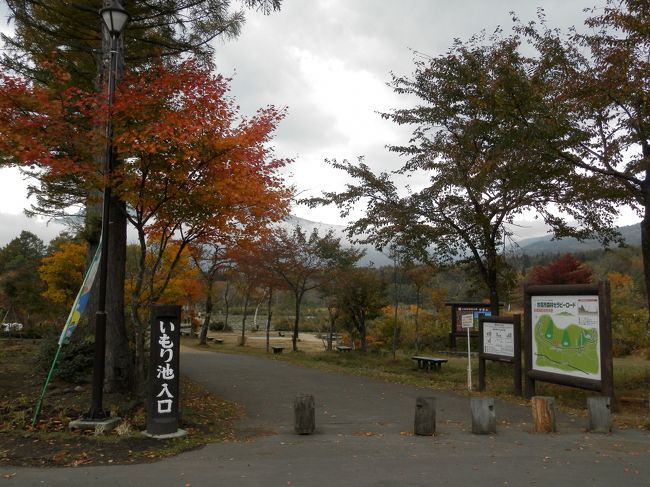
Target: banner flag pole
[(71, 323)]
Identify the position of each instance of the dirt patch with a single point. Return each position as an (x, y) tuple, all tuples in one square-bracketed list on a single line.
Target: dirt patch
[(307, 342), (206, 418)]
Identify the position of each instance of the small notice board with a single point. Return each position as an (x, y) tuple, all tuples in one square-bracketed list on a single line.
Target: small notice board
[(465, 316), (500, 340)]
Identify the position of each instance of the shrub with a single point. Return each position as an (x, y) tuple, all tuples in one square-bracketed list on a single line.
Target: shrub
[(75, 360), (219, 326)]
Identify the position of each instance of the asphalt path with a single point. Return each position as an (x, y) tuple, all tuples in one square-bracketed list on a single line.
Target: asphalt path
[(364, 438)]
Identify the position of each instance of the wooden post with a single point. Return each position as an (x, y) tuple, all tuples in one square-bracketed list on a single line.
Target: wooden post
[(543, 414), (484, 420), (600, 415), (425, 416), (305, 415)]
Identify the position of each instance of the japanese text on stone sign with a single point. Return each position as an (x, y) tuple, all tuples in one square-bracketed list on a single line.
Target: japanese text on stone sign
[(164, 371)]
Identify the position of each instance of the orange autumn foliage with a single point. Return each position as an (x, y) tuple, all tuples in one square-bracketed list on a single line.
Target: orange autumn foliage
[(63, 273)]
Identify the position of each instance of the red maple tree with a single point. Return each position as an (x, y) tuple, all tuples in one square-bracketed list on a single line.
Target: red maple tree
[(565, 269)]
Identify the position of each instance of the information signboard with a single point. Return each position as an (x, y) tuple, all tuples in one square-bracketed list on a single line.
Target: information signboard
[(467, 321), (467, 317), (568, 336), (464, 317), (500, 340), (565, 337)]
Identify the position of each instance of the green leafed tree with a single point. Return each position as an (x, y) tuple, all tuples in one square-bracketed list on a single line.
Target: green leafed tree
[(20, 284), (597, 83), (477, 156), (362, 297), (299, 260)]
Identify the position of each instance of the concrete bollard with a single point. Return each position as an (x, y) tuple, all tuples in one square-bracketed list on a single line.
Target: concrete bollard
[(600, 414), (425, 416), (543, 414), (305, 414), (484, 419)]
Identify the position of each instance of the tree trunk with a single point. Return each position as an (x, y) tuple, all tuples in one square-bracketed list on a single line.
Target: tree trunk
[(333, 315), (119, 360), (362, 331), (226, 303), (492, 283), (396, 304), (208, 312), (645, 250), (257, 308), (417, 321), (294, 338), (242, 341), (269, 314)]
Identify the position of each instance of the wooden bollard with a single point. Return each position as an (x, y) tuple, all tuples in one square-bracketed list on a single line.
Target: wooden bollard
[(484, 419), (425, 416), (600, 414), (305, 414), (543, 414)]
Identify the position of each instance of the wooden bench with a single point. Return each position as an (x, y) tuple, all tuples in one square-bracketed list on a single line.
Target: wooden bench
[(277, 349), (343, 348), (429, 363)]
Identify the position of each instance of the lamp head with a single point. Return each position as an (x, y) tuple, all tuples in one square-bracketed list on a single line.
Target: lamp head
[(115, 18)]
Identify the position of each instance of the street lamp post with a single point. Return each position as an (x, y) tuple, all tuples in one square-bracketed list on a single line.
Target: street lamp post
[(115, 18)]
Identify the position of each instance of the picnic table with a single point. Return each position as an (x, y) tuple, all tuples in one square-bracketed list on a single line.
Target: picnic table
[(343, 348), (277, 349), (429, 363)]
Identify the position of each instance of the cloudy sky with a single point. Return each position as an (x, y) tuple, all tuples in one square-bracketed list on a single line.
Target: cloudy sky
[(328, 62)]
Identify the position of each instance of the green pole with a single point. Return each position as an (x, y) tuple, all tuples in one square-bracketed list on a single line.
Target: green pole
[(39, 403)]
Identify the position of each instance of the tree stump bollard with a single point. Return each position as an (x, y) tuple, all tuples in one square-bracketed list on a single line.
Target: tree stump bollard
[(425, 416), (543, 414), (484, 419), (600, 414), (304, 413)]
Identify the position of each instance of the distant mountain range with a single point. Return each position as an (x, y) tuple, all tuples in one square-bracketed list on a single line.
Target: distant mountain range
[(10, 226), (545, 244), (529, 246)]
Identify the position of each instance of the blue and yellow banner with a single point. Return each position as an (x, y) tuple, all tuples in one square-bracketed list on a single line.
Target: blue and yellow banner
[(71, 323), (82, 298)]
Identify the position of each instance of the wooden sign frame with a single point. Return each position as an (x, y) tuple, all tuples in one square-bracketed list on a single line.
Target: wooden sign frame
[(515, 359), (605, 384), (456, 329)]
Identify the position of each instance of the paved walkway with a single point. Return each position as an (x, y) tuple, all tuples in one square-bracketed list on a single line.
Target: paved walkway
[(364, 438)]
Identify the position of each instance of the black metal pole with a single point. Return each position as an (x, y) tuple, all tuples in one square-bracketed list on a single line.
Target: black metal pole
[(96, 408)]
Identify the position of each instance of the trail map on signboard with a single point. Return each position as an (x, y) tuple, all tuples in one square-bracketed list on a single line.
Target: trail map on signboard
[(565, 335), (499, 339)]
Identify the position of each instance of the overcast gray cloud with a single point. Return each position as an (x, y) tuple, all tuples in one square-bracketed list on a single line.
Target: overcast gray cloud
[(328, 61)]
